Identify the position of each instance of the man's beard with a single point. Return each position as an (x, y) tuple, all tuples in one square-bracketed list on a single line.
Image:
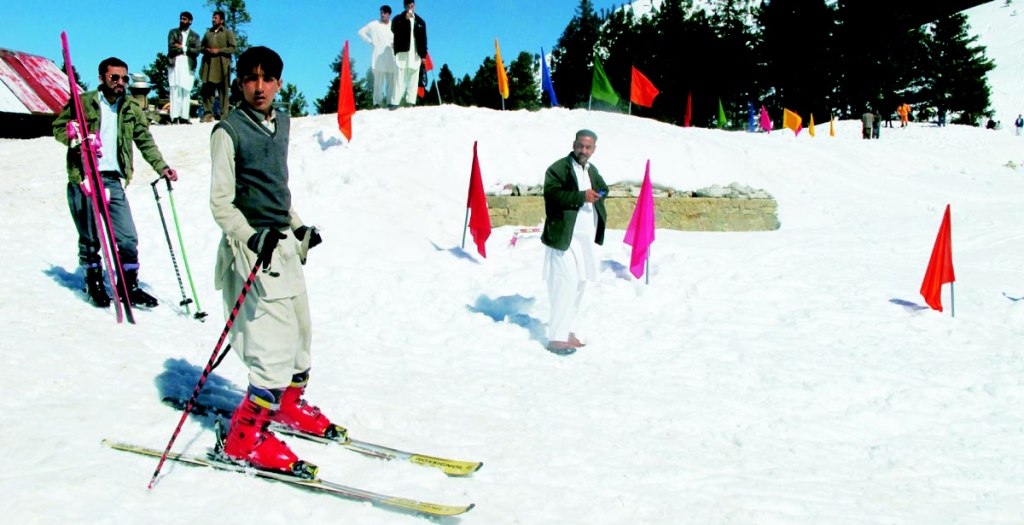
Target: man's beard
[(109, 91)]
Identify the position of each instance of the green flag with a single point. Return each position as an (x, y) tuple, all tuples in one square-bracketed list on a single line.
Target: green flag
[(721, 114), (601, 89)]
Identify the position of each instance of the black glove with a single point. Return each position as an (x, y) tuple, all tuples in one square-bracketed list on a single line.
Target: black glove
[(263, 243), (314, 235)]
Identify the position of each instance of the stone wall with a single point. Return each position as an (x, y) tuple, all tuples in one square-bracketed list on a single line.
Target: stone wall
[(706, 214)]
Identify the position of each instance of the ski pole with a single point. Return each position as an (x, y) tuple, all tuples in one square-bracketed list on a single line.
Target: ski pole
[(184, 300), (200, 314), (209, 365)]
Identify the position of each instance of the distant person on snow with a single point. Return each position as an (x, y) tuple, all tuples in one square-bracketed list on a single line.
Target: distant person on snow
[(575, 220), (868, 120), (182, 50), (117, 121), (378, 34), (218, 47), (1018, 124), (904, 111), (410, 49), (252, 204)]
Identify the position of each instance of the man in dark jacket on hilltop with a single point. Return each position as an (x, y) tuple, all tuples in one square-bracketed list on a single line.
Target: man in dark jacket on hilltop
[(410, 49), (575, 220)]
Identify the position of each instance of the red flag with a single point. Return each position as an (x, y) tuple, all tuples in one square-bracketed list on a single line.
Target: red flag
[(642, 91), (479, 218), (640, 232), (940, 266), (428, 62), (689, 109), (346, 100)]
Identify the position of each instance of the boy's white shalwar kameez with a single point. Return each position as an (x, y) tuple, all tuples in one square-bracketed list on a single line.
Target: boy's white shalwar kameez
[(567, 272)]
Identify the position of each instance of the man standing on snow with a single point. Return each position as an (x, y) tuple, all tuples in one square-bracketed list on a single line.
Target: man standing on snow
[(410, 33), (868, 120), (182, 50), (252, 204), (117, 121), (218, 47), (575, 219), (378, 34), (1019, 124)]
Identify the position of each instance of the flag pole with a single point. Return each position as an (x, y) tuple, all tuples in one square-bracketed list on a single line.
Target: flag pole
[(630, 107), (465, 224), (589, 100), (647, 271), (952, 301), (502, 102)]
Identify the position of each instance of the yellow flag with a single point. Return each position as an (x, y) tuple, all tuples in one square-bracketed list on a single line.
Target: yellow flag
[(792, 121), (832, 127), (811, 129), (502, 77)]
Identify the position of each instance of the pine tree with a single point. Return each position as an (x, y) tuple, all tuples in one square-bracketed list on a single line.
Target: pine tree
[(157, 73), (958, 71), (360, 89), (572, 57), (484, 86), (736, 84), (446, 84), (795, 57), (522, 80), (295, 100)]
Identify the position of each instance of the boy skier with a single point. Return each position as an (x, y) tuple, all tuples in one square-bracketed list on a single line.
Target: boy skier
[(251, 202)]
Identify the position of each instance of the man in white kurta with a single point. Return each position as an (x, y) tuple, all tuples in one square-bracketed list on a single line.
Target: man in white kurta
[(575, 221), (378, 34), (182, 50)]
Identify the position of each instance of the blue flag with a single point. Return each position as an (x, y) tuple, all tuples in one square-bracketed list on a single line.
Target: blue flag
[(750, 109), (545, 83)]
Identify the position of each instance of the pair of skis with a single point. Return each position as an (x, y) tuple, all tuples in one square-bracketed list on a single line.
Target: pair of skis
[(451, 467), (79, 134)]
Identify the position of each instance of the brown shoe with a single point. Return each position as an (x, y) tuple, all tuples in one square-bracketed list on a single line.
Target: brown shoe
[(575, 342)]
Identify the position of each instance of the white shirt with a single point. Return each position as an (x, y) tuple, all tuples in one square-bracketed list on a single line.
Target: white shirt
[(378, 34), (108, 133), (580, 255)]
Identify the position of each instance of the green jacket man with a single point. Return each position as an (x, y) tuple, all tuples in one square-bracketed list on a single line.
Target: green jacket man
[(574, 195), (132, 126)]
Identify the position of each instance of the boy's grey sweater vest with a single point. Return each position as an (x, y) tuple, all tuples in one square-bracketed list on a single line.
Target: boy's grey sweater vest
[(261, 168)]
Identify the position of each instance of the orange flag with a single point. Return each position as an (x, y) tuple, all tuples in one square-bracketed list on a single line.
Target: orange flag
[(811, 129), (642, 91), (346, 100), (502, 76), (480, 218), (792, 121), (832, 127), (940, 266)]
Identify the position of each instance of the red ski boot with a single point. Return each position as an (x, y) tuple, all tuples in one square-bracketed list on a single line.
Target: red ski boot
[(249, 440), (299, 415)]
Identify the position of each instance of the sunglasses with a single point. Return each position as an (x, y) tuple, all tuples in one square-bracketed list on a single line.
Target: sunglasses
[(122, 78)]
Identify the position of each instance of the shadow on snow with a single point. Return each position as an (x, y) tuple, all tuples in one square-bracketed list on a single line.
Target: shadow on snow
[(219, 396), (511, 309)]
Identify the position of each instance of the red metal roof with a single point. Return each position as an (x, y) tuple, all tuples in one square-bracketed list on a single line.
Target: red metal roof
[(31, 84)]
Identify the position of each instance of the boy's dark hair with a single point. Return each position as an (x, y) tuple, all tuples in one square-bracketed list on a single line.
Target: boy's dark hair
[(186, 14), (262, 57), (111, 62), (220, 14), (586, 133), (385, 9)]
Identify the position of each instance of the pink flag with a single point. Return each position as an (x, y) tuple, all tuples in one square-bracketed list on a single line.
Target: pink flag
[(640, 233), (765, 122)]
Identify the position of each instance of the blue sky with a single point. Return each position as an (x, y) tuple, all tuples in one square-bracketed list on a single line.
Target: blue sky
[(308, 34)]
